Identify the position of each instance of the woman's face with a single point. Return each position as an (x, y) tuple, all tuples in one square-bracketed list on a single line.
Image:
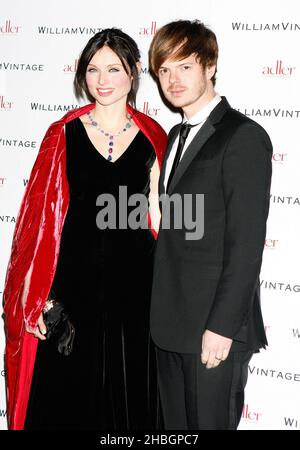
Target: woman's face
[(106, 78)]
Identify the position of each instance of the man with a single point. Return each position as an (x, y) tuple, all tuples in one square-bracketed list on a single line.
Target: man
[(205, 317)]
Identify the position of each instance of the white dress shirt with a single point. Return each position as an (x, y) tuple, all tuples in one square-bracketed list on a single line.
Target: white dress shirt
[(199, 118)]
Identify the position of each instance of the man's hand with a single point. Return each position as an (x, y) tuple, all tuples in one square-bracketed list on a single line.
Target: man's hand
[(215, 348), (40, 330)]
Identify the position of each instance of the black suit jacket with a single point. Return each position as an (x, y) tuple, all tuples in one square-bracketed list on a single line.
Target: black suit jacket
[(213, 283)]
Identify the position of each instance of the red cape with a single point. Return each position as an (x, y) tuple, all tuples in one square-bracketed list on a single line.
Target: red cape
[(36, 243)]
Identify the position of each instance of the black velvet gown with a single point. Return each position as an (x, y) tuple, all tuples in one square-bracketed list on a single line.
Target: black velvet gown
[(103, 278)]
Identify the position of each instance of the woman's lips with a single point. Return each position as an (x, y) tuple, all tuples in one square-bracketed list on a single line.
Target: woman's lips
[(104, 92)]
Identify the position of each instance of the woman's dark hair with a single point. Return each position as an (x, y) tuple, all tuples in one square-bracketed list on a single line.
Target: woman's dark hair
[(126, 49), (188, 37)]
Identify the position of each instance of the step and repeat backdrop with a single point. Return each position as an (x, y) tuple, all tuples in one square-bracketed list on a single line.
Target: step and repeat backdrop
[(258, 71)]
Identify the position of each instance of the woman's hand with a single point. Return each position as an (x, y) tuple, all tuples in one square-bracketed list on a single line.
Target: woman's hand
[(40, 330)]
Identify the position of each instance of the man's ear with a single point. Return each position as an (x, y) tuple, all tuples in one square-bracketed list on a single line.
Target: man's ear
[(210, 71)]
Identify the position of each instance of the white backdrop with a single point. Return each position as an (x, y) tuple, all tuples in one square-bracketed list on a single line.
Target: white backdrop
[(258, 71)]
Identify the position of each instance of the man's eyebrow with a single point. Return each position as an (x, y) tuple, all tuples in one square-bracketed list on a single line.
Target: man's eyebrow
[(181, 64)]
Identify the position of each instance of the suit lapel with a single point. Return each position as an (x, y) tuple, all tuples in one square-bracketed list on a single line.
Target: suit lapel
[(195, 146), (205, 132)]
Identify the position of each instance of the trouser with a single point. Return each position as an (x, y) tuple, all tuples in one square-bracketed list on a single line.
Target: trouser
[(196, 398)]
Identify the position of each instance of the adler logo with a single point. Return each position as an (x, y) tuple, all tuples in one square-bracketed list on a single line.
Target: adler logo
[(148, 30), (279, 158), (271, 244), (250, 415), (149, 109), (279, 69), (5, 104), (9, 28), (71, 68)]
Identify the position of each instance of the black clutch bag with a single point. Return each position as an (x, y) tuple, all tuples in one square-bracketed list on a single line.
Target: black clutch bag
[(60, 330)]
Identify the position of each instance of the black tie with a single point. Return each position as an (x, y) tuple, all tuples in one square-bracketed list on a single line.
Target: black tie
[(184, 131)]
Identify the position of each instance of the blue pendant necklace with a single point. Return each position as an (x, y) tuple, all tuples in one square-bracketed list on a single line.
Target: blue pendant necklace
[(110, 136)]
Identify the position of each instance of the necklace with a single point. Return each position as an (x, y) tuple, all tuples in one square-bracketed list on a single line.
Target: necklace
[(110, 136)]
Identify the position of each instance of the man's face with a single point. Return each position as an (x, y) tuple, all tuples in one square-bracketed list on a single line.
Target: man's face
[(186, 84)]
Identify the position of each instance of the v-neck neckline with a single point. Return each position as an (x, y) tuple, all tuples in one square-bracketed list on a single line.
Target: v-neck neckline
[(100, 154)]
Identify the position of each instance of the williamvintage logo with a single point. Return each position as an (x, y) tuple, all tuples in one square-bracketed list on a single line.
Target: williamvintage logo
[(34, 106), (44, 29), (286, 200), (17, 143), (270, 112), (279, 26), (22, 67)]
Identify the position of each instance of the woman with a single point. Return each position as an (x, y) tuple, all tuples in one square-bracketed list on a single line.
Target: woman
[(101, 276)]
